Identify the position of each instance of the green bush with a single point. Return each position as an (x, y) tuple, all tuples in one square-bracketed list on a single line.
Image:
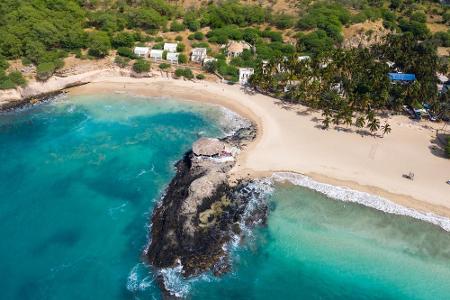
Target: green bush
[(200, 45), (180, 47), (182, 58), (12, 80), (176, 27), (17, 78), (121, 61), (123, 39), (419, 16), (6, 84), (190, 21), (99, 44), (45, 70), (282, 21), (442, 39), (184, 72), (200, 76), (199, 36), (178, 38), (141, 66), (164, 66), (3, 63), (126, 52)]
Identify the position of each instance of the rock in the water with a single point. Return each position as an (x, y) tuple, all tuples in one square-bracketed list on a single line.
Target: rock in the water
[(198, 214), (208, 147)]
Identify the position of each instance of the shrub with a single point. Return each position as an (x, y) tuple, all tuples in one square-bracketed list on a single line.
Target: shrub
[(442, 39), (125, 52), (200, 76), (210, 66), (185, 72), (45, 70), (141, 66), (3, 63), (121, 61), (17, 78), (199, 36), (182, 58), (159, 39), (6, 84), (282, 21), (419, 16), (178, 38), (164, 66), (180, 47), (99, 44), (123, 39), (176, 27)]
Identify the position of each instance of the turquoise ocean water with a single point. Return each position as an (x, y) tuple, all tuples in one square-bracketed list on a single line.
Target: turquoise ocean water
[(79, 178)]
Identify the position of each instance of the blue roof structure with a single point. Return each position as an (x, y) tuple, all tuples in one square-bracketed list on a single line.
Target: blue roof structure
[(402, 77)]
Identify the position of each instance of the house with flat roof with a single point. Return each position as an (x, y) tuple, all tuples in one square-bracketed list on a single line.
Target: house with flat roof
[(170, 47), (198, 55), (235, 48), (156, 54), (244, 75), (172, 57), (142, 51)]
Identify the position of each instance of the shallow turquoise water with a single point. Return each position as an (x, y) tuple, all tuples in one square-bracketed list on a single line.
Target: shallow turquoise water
[(78, 180), (318, 248)]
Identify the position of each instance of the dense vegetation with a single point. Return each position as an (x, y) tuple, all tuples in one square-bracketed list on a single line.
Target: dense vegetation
[(345, 83)]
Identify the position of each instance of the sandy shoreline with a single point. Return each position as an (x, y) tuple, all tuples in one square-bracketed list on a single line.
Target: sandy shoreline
[(289, 140)]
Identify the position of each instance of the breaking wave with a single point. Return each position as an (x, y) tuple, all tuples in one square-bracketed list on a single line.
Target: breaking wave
[(138, 280), (349, 195), (231, 122)]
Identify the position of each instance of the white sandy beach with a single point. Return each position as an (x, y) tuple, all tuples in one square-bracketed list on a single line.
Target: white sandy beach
[(289, 139)]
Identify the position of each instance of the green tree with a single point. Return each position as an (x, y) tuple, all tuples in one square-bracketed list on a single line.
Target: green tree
[(182, 58), (141, 66), (45, 70), (99, 44)]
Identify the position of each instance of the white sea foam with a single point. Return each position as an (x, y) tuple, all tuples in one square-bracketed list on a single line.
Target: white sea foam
[(230, 122), (373, 201), (177, 285), (138, 279)]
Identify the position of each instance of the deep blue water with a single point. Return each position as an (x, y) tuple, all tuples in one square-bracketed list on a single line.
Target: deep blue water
[(80, 176)]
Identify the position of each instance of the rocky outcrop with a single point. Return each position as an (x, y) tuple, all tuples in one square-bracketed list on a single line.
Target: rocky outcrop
[(200, 212), (37, 90)]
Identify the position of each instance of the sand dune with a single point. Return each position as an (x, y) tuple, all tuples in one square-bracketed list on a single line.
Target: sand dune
[(290, 139)]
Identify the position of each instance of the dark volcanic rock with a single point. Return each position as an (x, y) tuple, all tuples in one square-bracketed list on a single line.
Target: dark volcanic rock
[(200, 212)]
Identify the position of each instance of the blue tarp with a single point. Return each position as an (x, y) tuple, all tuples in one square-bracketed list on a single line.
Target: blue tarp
[(402, 77)]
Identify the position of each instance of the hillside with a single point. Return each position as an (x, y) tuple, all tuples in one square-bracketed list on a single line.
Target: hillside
[(41, 38)]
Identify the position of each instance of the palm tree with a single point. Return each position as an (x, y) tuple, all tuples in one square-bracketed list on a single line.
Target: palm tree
[(386, 128)]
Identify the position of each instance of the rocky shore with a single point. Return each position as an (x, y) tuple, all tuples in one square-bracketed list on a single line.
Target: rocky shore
[(201, 212)]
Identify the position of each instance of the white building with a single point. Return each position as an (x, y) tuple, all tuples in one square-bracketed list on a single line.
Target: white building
[(156, 54), (198, 55), (141, 51), (170, 47), (173, 57), (305, 57), (244, 75)]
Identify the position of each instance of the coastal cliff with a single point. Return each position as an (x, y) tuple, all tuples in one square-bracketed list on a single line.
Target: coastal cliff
[(201, 212)]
